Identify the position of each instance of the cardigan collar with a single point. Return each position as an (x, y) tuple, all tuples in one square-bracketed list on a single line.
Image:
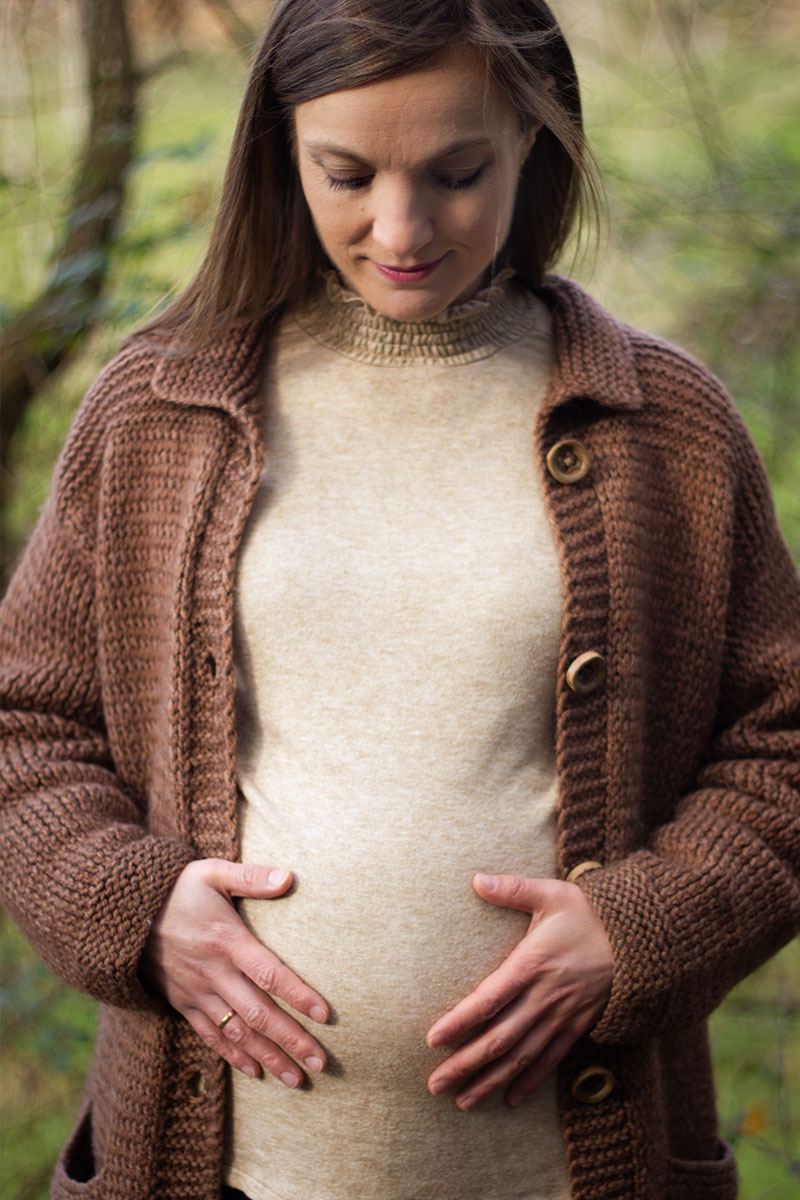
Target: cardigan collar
[(223, 374), (593, 354), (593, 359)]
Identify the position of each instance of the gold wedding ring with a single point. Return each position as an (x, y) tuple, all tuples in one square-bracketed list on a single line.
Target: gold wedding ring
[(230, 1013)]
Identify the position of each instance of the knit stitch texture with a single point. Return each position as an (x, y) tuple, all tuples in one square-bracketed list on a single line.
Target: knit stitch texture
[(680, 774)]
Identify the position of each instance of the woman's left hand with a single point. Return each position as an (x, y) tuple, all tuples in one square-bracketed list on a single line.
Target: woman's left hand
[(550, 990)]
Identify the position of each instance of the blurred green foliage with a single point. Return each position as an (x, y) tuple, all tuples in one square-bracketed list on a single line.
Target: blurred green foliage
[(756, 1042), (46, 1034), (693, 107)]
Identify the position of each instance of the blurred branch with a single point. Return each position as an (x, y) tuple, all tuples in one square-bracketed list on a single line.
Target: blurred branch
[(236, 28), (45, 334), (677, 19)]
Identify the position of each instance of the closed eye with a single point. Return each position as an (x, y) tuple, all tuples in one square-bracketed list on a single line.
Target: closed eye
[(457, 184), (348, 185), (355, 183)]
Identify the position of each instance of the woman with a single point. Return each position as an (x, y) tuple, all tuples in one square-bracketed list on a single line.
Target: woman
[(384, 559)]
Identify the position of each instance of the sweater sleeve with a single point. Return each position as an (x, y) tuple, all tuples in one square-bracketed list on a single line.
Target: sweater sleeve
[(80, 873), (716, 891)]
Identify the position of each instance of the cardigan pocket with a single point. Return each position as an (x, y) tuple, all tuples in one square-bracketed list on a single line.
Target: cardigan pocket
[(109, 1153), (77, 1172), (709, 1179)]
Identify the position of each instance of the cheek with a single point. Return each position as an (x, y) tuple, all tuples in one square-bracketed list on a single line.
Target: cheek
[(337, 217), (328, 216), (502, 204), (342, 228), (487, 217)]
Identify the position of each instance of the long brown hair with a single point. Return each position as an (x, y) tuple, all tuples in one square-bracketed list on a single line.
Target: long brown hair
[(264, 252)]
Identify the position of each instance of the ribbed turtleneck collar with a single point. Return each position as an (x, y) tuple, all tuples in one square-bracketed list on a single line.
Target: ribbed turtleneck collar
[(500, 314)]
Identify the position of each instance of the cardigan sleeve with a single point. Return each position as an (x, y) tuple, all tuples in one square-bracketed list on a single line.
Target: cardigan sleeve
[(80, 873), (716, 890)]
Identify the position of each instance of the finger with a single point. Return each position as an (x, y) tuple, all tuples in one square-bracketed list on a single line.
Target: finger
[(500, 1036), (512, 891), (265, 1052), (540, 1069), (259, 1026), (213, 1037), (497, 990), (247, 879), (240, 1039), (274, 978), (539, 1052)]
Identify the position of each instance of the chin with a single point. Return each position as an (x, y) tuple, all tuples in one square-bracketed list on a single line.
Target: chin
[(411, 309), (409, 304)]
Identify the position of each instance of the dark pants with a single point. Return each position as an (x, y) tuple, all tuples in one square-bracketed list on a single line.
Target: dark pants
[(232, 1194)]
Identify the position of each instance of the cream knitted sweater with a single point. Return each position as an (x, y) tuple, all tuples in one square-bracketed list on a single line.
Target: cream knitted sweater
[(397, 626)]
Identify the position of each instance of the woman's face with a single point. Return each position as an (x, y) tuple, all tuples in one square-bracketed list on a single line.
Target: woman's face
[(411, 183)]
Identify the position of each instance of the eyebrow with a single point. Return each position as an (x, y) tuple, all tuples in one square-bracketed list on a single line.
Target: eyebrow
[(318, 146)]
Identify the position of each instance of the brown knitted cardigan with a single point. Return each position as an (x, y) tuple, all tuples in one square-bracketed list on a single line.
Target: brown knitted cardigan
[(680, 774)]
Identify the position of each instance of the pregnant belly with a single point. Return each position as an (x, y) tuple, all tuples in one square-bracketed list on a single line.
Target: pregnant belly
[(386, 925), (383, 920), (391, 950)]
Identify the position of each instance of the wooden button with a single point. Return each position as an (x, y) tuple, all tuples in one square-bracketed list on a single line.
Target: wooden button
[(568, 461), (593, 1085), (581, 869), (587, 672)]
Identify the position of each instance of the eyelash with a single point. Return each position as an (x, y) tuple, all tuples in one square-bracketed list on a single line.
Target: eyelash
[(453, 185)]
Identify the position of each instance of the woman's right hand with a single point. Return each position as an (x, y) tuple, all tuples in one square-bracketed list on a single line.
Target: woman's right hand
[(202, 957)]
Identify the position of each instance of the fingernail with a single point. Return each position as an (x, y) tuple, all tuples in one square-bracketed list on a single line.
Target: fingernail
[(434, 1040), (313, 1063), (276, 877), (465, 1103), (318, 1014), (290, 1079), (487, 882), (438, 1087), (251, 1072)]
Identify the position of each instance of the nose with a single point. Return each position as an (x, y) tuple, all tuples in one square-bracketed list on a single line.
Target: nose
[(402, 223)]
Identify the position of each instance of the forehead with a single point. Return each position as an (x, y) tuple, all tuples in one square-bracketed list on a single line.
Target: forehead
[(445, 102)]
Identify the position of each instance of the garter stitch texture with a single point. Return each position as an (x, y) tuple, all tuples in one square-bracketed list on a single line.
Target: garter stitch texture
[(680, 774)]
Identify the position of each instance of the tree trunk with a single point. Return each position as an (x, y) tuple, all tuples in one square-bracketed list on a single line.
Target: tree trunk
[(45, 334)]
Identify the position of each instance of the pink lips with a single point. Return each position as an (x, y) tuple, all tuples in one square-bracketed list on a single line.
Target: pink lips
[(408, 274)]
